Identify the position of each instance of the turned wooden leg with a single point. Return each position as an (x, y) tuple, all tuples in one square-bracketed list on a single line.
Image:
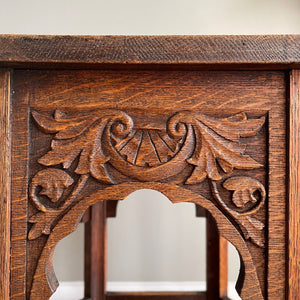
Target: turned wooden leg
[(216, 261)]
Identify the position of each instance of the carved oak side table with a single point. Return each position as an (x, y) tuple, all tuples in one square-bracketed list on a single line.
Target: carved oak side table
[(213, 120)]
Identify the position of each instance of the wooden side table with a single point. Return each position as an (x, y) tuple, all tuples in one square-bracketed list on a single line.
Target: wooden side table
[(213, 120)]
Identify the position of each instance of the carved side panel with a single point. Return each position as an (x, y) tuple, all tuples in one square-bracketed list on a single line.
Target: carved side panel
[(92, 150), (91, 140), (247, 202)]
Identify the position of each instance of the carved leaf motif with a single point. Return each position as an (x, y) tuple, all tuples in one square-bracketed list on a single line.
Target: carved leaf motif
[(217, 143), (253, 229), (243, 188), (53, 183), (79, 135), (39, 227)]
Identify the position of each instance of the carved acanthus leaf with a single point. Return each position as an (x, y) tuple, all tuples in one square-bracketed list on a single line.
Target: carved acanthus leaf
[(217, 143), (79, 135)]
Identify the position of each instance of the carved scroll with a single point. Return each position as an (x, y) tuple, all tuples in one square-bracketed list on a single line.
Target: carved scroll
[(94, 139), (86, 145)]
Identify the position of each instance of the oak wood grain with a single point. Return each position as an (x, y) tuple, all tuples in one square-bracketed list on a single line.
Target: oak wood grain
[(19, 198), (275, 272), (5, 180), (163, 93), (264, 51), (176, 194), (151, 98), (294, 187)]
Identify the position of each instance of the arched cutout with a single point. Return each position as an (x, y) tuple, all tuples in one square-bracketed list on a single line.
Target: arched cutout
[(157, 236), (247, 285)]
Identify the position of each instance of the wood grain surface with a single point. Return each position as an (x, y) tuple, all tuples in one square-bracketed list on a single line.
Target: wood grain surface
[(294, 187), (175, 95), (5, 179), (19, 198), (80, 137), (265, 51), (277, 193), (152, 99)]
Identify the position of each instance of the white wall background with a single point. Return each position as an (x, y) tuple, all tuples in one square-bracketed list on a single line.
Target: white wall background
[(149, 16), (151, 239)]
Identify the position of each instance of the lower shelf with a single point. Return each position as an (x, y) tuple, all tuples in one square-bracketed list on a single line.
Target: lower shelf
[(149, 290), (156, 295)]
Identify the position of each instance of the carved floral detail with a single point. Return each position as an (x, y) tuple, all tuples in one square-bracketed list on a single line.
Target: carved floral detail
[(91, 140)]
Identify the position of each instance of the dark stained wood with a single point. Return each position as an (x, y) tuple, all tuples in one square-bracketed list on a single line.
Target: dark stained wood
[(200, 212), (223, 267), (264, 51), (294, 187), (151, 89), (5, 177), (98, 251), (216, 261), (70, 108), (86, 216), (111, 209), (157, 115)]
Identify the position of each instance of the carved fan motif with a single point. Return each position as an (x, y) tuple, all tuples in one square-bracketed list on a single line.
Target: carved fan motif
[(147, 147)]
